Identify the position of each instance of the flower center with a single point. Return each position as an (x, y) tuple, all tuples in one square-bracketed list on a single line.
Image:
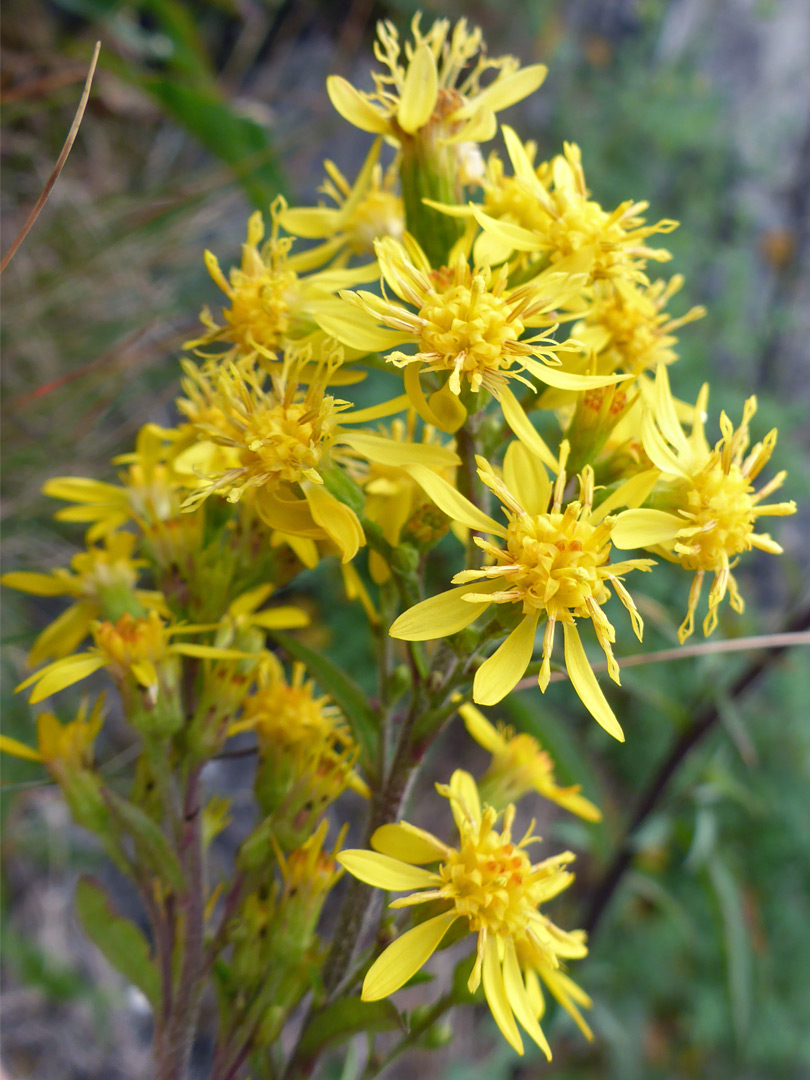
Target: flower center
[(490, 881), (466, 328), (721, 507), (558, 558), (261, 305), (286, 442), (130, 641)]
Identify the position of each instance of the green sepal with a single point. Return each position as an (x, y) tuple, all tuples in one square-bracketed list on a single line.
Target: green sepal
[(338, 482)]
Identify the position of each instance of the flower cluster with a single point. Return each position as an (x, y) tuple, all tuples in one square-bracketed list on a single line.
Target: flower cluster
[(454, 351)]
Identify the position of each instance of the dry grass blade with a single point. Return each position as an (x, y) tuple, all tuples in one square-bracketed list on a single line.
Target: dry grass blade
[(60, 164)]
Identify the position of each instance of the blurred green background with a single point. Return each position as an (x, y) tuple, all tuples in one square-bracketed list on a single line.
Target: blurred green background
[(201, 112)]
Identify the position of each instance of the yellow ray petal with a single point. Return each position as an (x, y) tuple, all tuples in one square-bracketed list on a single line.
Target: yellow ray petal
[(60, 674), (405, 956), (36, 584), (584, 682), (518, 238), (385, 872), (452, 502), (508, 90), (408, 843), (484, 733), (495, 993), (525, 476), (631, 493), (419, 92), (519, 999), (442, 615), (18, 749), (644, 528), (569, 380), (353, 107), (525, 430), (251, 600), (337, 520), (498, 675), (390, 452), (284, 617), (464, 797)]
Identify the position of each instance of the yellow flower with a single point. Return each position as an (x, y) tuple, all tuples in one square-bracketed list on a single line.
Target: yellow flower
[(304, 741), (100, 579), (559, 219), (551, 561), (489, 881), (367, 210), (61, 747), (627, 326), (519, 766), (133, 649), (284, 443), (271, 304), (151, 494), (711, 507), (468, 327), (438, 87)]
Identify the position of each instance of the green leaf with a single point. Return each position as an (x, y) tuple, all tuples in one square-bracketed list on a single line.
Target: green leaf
[(344, 1018), (150, 842), (739, 955), (347, 694), (121, 941)]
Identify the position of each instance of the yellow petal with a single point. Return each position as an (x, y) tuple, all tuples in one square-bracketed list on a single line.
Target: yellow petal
[(337, 520), (484, 733), (60, 674), (508, 89), (465, 802), (442, 615), (384, 451), (574, 802), (18, 749), (518, 238), (284, 617), (525, 430), (408, 843), (584, 682), (353, 107), (65, 634), (665, 412), (568, 380), (525, 476), (312, 223), (419, 92), (566, 991), (208, 652), (452, 502), (631, 493), (385, 872), (249, 601), (521, 163), (495, 993), (498, 675), (644, 528), (351, 326), (376, 412), (36, 584), (82, 489), (447, 409), (405, 956), (657, 449), (519, 999)]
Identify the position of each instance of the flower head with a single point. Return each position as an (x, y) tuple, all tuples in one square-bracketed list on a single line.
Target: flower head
[(468, 326), (487, 881), (282, 443), (549, 214), (519, 766), (101, 582), (438, 87), (550, 560), (369, 209), (273, 302), (709, 506)]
